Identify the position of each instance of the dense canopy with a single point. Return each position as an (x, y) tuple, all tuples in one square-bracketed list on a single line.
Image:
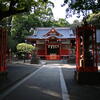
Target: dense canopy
[(84, 6), (12, 7)]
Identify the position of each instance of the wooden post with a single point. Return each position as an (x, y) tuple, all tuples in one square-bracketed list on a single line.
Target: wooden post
[(3, 52), (45, 49)]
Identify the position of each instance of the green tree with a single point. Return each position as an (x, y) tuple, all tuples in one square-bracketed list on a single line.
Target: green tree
[(40, 16), (61, 23), (12, 44), (25, 48), (94, 19), (20, 27), (12, 7), (82, 6)]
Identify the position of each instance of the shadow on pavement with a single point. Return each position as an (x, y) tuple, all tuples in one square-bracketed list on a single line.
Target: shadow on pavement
[(16, 72), (79, 91)]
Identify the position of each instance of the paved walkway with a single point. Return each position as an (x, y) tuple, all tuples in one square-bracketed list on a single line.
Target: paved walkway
[(16, 72), (46, 83)]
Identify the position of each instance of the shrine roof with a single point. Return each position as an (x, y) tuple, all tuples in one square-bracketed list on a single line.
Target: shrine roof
[(62, 32)]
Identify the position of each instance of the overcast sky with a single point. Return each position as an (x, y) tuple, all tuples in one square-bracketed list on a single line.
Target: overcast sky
[(59, 12)]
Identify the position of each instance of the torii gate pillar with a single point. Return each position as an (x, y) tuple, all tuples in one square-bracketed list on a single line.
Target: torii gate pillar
[(86, 55), (3, 53)]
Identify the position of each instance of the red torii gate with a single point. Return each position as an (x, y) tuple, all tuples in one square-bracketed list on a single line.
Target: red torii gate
[(86, 55), (3, 52)]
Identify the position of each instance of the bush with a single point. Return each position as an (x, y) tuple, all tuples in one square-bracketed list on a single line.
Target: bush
[(24, 49)]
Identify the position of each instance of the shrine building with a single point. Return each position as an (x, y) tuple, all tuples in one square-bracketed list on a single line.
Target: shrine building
[(53, 43)]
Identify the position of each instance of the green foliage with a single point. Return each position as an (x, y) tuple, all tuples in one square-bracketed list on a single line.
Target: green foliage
[(61, 23), (20, 27), (25, 48), (12, 44), (41, 16), (22, 23), (12, 7), (94, 19), (82, 6)]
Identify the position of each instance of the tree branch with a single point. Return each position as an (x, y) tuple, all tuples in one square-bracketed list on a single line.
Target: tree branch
[(8, 13), (12, 4)]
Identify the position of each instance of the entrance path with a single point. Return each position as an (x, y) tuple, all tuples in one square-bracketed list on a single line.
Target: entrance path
[(46, 83)]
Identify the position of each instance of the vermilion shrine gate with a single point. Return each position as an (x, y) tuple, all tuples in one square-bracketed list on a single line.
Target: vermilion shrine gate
[(86, 55), (3, 52)]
